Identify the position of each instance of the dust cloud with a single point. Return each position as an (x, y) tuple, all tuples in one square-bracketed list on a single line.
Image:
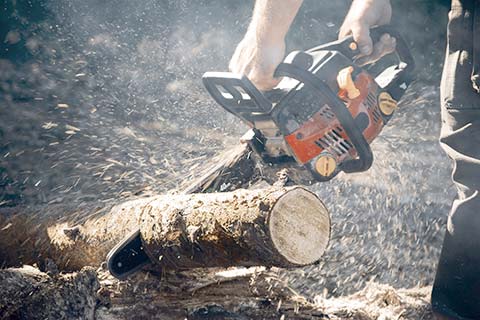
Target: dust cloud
[(102, 100)]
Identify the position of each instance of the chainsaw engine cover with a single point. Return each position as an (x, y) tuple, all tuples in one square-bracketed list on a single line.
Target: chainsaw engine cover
[(314, 135)]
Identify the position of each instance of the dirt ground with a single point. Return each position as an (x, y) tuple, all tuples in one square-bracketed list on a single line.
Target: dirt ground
[(101, 101)]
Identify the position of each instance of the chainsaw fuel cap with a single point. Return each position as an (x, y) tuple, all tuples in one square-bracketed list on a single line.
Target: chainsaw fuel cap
[(326, 165)]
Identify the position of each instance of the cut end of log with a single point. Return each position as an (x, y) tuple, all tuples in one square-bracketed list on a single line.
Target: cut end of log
[(300, 227)]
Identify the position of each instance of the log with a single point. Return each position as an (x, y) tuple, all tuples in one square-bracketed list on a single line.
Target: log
[(72, 239), (237, 293), (253, 293), (284, 227), (279, 226)]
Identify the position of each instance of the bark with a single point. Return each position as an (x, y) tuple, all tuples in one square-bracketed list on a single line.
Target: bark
[(238, 293), (27, 293), (282, 227), (253, 293), (275, 227), (72, 240)]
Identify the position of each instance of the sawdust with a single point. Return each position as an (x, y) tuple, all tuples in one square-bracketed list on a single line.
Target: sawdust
[(107, 105), (237, 293)]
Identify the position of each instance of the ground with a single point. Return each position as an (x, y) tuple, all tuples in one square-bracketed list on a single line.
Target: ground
[(103, 101)]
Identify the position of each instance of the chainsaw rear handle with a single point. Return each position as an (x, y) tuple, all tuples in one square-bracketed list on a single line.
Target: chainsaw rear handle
[(352, 52), (365, 155), (402, 73)]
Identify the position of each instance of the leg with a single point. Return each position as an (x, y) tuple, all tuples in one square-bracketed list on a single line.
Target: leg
[(456, 291)]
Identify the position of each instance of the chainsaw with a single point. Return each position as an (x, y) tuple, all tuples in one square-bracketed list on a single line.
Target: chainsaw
[(325, 112)]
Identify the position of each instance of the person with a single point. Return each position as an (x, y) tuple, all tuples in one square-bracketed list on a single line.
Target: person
[(456, 289)]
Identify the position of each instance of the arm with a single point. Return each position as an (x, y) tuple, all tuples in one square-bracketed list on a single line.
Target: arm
[(263, 46), (272, 19)]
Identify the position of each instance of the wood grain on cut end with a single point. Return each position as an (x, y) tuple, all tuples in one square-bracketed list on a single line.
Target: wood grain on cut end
[(299, 226)]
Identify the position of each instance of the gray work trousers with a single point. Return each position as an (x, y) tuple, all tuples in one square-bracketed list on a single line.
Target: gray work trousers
[(456, 291)]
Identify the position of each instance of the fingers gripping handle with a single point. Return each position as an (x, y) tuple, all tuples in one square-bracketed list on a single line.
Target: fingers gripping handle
[(401, 48), (348, 47), (398, 76)]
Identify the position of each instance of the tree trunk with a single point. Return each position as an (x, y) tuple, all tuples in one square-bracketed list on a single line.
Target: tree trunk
[(253, 293), (72, 240), (235, 294), (274, 227)]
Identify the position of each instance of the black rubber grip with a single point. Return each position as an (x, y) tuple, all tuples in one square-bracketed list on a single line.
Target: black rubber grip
[(237, 95)]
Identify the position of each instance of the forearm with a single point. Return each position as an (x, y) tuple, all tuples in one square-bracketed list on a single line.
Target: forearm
[(272, 18), (263, 46)]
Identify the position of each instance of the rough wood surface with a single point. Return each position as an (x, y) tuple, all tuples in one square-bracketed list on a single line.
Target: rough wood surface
[(252, 293), (197, 230), (282, 227), (27, 293), (236, 293), (71, 239)]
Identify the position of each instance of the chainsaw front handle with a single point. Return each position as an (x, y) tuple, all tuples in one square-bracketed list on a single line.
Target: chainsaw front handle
[(237, 95)]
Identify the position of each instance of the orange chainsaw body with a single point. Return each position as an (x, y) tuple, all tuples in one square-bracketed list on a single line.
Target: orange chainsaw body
[(323, 132)]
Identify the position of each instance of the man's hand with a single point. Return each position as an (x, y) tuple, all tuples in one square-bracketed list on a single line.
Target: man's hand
[(263, 47), (258, 60), (363, 15)]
